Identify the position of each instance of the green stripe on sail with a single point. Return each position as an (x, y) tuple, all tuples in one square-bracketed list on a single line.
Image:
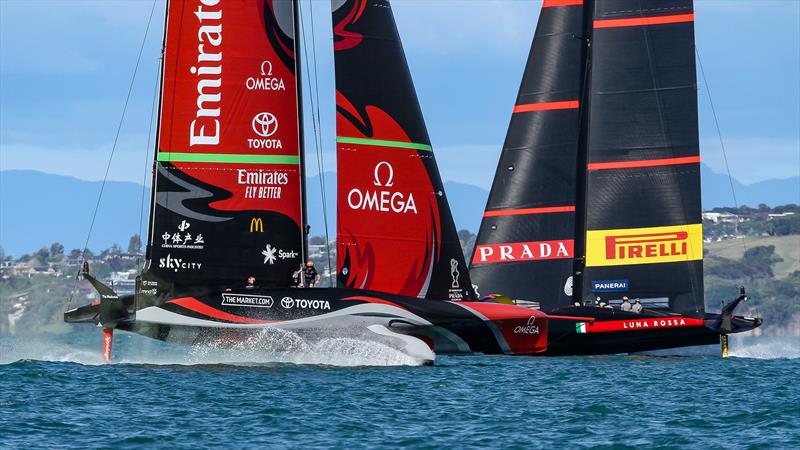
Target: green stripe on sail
[(383, 143), (228, 158)]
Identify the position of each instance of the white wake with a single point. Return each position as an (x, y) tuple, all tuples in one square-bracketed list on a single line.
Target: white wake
[(269, 347), (764, 347)]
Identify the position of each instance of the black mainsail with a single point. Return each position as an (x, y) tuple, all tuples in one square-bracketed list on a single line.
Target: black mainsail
[(524, 248), (643, 212), (601, 162)]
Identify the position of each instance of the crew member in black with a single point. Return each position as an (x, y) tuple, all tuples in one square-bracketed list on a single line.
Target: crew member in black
[(310, 276)]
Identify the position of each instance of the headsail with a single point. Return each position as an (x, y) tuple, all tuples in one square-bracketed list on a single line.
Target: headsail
[(395, 230), (643, 216), (227, 200), (524, 248)]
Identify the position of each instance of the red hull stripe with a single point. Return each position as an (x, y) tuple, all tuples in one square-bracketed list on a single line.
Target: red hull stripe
[(552, 3), (642, 21), (546, 106), (657, 323), (197, 306), (644, 163), (515, 212)]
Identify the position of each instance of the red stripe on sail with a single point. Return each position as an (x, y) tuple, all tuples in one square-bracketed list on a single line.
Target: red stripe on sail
[(546, 106), (520, 211), (644, 163), (552, 3), (642, 21), (197, 306)]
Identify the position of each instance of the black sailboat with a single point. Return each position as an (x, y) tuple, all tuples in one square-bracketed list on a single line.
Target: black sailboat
[(228, 197), (597, 193)]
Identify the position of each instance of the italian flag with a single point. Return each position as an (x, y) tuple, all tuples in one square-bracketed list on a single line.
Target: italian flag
[(580, 327)]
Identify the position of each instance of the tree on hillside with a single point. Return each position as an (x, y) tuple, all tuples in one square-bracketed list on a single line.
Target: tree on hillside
[(2, 253), (317, 240), (135, 244), (56, 249), (42, 254)]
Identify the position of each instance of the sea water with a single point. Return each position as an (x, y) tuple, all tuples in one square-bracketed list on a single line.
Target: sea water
[(343, 393)]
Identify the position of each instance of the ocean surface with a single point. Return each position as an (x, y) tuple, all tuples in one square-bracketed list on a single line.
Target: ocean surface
[(341, 393)]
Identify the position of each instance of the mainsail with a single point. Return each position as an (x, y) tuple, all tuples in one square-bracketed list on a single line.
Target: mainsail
[(227, 199), (524, 248), (603, 148), (395, 230), (643, 212)]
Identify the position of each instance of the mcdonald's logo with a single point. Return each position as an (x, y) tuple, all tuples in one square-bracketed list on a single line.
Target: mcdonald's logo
[(256, 225)]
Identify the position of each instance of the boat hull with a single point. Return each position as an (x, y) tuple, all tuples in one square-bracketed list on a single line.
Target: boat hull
[(446, 327), (597, 331)]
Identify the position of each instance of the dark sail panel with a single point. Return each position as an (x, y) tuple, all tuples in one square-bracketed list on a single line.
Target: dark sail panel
[(227, 200), (525, 244), (395, 230), (643, 190)]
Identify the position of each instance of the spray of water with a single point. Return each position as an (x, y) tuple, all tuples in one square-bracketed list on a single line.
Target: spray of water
[(765, 347), (270, 347)]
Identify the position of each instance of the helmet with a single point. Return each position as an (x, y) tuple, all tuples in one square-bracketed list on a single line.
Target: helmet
[(310, 263)]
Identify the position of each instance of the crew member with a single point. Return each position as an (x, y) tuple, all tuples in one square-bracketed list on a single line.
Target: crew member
[(251, 283), (626, 304), (310, 276), (637, 307)]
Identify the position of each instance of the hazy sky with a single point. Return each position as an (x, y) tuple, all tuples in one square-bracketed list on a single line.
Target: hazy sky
[(65, 67)]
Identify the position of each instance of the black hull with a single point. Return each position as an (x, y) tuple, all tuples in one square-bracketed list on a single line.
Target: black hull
[(446, 327), (627, 332)]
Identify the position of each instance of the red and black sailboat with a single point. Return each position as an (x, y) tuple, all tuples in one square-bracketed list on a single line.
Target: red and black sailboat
[(228, 198), (597, 192)]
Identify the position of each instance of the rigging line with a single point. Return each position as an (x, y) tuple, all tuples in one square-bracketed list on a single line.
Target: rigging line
[(719, 133), (114, 146), (146, 161), (317, 141), (119, 128), (320, 158)]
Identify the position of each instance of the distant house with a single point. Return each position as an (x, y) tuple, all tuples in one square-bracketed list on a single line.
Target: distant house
[(784, 214), (722, 217)]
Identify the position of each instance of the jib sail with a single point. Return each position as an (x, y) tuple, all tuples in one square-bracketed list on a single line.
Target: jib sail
[(524, 248), (643, 216), (227, 201), (395, 230)]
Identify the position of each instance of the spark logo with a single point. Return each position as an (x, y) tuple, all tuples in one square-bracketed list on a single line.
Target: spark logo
[(644, 245)]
